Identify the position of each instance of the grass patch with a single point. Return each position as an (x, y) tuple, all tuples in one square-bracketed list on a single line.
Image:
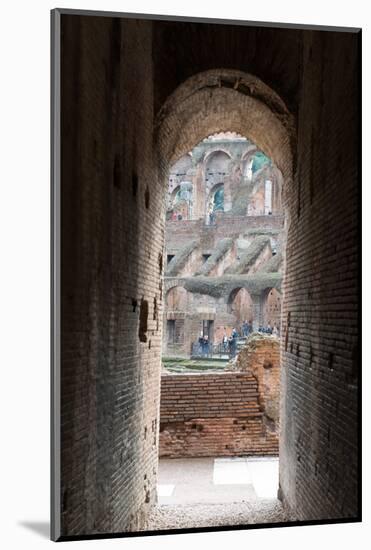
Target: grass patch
[(174, 364)]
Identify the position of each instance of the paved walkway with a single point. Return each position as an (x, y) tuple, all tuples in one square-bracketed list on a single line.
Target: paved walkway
[(205, 492), (219, 480)]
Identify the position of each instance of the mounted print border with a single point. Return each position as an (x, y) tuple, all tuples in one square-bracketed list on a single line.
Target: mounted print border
[(132, 95)]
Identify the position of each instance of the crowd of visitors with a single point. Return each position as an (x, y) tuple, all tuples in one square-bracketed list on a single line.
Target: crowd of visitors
[(205, 347), (229, 343), (269, 329)]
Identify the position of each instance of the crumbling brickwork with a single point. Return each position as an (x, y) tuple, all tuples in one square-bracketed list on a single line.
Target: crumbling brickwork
[(261, 357)]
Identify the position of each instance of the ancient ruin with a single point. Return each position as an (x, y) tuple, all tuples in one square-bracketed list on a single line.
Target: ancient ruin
[(234, 412), (224, 245)]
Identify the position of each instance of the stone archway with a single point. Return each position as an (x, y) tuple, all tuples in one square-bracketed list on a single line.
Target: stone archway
[(209, 102), (220, 100), (241, 305), (114, 164)]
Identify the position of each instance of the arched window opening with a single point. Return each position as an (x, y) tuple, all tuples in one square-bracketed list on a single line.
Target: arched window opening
[(272, 308), (176, 299), (259, 161), (241, 306), (215, 203)]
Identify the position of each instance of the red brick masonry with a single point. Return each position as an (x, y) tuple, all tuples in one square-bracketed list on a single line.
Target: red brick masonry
[(214, 415)]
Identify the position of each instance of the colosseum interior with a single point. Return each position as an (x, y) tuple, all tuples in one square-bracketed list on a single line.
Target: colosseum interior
[(224, 236), (238, 146)]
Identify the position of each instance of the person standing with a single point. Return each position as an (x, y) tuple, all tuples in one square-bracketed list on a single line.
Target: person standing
[(225, 341), (207, 345), (201, 344)]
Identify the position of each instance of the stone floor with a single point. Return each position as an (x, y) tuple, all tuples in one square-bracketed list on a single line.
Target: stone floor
[(204, 492)]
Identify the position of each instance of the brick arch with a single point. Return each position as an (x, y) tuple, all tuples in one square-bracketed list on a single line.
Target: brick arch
[(242, 309), (213, 190), (180, 295), (232, 293), (270, 316), (172, 283), (216, 100), (252, 149), (217, 149)]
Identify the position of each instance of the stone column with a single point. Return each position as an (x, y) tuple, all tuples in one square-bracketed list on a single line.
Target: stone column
[(257, 311)]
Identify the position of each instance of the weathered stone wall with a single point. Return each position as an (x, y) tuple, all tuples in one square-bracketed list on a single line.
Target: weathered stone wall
[(179, 234), (320, 361), (246, 247), (112, 206), (213, 415)]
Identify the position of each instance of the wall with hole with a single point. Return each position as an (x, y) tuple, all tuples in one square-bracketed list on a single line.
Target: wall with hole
[(215, 415)]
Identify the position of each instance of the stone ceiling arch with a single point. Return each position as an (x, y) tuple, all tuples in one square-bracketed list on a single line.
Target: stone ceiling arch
[(220, 100)]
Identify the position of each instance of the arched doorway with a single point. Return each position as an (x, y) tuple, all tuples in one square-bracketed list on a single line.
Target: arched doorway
[(241, 306), (216, 101), (176, 301), (215, 202), (272, 308), (114, 168)]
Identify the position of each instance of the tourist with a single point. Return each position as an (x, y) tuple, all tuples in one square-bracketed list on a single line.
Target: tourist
[(201, 344), (233, 345), (206, 348), (225, 342)]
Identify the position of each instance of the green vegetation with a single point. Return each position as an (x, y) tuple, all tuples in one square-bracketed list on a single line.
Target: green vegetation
[(250, 256), (180, 259), (182, 365), (220, 250), (223, 286)]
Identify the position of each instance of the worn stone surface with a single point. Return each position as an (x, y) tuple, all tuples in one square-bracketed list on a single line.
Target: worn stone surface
[(214, 515), (232, 413), (224, 414), (261, 357)]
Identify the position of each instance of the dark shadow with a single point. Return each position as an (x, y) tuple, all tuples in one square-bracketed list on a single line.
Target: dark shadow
[(42, 528)]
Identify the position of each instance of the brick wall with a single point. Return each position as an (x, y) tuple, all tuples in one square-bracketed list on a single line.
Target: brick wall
[(213, 415), (180, 234), (318, 447), (261, 357), (111, 271)]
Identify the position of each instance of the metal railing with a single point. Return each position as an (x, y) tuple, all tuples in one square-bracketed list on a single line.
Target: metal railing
[(210, 350)]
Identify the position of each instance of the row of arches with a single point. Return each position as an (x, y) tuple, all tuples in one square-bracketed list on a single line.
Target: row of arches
[(263, 309), (202, 185)]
